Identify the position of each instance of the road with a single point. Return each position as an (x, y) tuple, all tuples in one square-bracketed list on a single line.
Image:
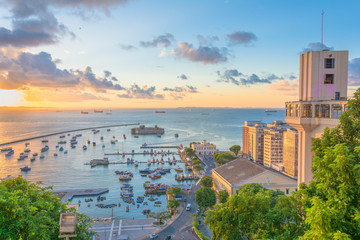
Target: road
[(181, 228)]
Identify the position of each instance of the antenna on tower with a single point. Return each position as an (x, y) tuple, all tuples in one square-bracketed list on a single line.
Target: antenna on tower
[(322, 29)]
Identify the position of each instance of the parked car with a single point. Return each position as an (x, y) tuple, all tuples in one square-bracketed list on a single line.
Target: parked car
[(198, 211), (188, 207), (185, 199), (155, 235), (168, 237)]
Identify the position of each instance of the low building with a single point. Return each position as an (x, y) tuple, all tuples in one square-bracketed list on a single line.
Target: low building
[(232, 175), (204, 148)]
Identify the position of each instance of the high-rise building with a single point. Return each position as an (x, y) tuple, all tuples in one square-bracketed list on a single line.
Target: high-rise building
[(322, 99), (256, 142), (290, 153), (246, 135)]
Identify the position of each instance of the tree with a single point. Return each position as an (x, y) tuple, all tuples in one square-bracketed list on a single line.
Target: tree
[(235, 149), (223, 196), (173, 204), (198, 167), (205, 197), (206, 181), (190, 152), (222, 158), (174, 191), (28, 211), (160, 216), (333, 196), (256, 213)]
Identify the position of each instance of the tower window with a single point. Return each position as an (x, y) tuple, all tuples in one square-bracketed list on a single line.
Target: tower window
[(329, 79), (329, 63)]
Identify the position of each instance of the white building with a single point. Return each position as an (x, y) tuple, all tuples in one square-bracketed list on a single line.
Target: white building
[(204, 148), (322, 98)]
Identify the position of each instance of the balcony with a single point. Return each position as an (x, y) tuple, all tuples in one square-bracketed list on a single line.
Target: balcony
[(314, 112)]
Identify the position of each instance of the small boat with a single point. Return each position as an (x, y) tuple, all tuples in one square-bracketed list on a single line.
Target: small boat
[(25, 169), (103, 145), (125, 177), (88, 142), (127, 208), (178, 169), (267, 110), (66, 151), (42, 156), (101, 138), (32, 159), (136, 163), (61, 149), (55, 154), (83, 112), (94, 144), (176, 135), (27, 150), (6, 149), (27, 144), (84, 147), (108, 130), (146, 211), (62, 142), (112, 141), (124, 136), (35, 154), (45, 141), (62, 136)]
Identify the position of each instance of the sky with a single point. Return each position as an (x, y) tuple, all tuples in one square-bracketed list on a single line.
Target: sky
[(165, 54)]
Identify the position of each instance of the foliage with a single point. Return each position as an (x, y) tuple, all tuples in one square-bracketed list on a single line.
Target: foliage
[(257, 213), (198, 167), (205, 197), (161, 215), (206, 181), (173, 204), (190, 152), (174, 191), (196, 225), (222, 158), (223, 196), (196, 161), (28, 211), (235, 149), (333, 196)]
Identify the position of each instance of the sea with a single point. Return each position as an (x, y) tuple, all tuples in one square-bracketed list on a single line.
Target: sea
[(221, 126)]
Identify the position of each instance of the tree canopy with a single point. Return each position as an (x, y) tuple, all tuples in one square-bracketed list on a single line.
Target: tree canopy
[(223, 196), (205, 197), (190, 152), (28, 211), (333, 196), (222, 158), (174, 191), (235, 149), (206, 181), (160, 215), (173, 204), (256, 213)]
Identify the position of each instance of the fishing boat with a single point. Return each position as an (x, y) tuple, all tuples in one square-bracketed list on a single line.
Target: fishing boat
[(32, 159), (62, 136), (6, 149), (66, 151), (9, 154), (27, 144), (88, 142), (42, 157), (101, 138), (124, 136), (125, 177), (108, 130), (35, 154), (25, 169), (112, 141), (62, 142), (176, 135), (55, 154), (267, 110), (94, 144), (136, 136), (145, 211), (84, 147), (178, 169), (27, 150), (61, 149), (44, 141)]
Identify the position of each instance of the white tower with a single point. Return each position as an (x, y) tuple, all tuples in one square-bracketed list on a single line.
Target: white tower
[(322, 99)]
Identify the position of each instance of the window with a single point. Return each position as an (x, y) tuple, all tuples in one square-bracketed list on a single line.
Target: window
[(317, 110), (287, 191), (329, 79), (329, 63), (336, 110), (325, 110), (306, 110), (337, 95)]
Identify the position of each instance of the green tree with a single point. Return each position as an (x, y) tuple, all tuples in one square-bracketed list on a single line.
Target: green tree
[(190, 152), (256, 213), (205, 197), (173, 204), (223, 196), (235, 149), (160, 216), (28, 211), (197, 167), (222, 158), (206, 181), (174, 191), (333, 212)]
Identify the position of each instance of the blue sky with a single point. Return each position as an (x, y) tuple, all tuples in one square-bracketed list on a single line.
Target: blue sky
[(166, 53)]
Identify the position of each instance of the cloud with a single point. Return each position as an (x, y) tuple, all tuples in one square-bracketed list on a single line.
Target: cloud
[(34, 23), (40, 70), (183, 77), (127, 47), (286, 87), (235, 77), (207, 41), (204, 54), (316, 46), (241, 37), (354, 72), (36, 95), (159, 41), (141, 93), (180, 92)]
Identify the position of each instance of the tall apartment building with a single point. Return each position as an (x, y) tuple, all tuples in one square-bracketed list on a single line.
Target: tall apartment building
[(322, 98), (245, 147), (290, 153), (256, 142), (273, 146), (204, 148)]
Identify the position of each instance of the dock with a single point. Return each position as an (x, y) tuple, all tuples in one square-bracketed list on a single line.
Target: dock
[(142, 147), (141, 153), (133, 163), (67, 195)]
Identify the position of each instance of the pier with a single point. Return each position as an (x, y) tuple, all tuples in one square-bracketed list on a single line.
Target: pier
[(69, 131), (142, 153), (142, 147), (67, 195), (134, 163)]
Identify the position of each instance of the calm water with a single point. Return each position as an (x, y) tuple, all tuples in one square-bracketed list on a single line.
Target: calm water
[(67, 171)]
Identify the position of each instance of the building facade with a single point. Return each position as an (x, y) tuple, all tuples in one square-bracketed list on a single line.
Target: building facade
[(322, 99), (204, 148), (245, 147), (290, 153), (256, 142), (273, 146)]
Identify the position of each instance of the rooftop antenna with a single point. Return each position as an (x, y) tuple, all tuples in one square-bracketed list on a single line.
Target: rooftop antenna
[(322, 28)]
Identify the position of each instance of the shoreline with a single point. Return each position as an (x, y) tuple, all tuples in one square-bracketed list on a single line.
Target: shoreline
[(68, 131)]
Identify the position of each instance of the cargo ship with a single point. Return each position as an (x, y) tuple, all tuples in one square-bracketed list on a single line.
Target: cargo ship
[(267, 110), (160, 112)]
